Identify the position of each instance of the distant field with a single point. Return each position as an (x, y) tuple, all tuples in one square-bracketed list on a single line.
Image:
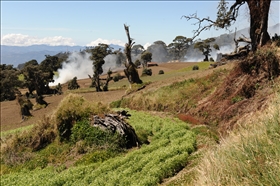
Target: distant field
[(10, 112)]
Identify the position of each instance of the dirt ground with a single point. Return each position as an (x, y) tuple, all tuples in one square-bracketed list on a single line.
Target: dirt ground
[(10, 110)]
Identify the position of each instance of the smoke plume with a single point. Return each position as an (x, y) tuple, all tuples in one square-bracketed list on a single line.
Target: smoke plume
[(80, 65)]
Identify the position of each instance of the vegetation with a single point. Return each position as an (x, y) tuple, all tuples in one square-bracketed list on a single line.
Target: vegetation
[(73, 84), (64, 149), (98, 54), (9, 82), (253, 150), (205, 47), (179, 47), (170, 143), (177, 97), (130, 72), (259, 11), (146, 57)]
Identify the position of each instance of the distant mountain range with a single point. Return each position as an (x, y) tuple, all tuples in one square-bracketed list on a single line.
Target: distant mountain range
[(16, 55)]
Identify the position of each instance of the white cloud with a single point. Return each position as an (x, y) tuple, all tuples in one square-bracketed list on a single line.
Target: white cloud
[(26, 40), (105, 41), (147, 45)]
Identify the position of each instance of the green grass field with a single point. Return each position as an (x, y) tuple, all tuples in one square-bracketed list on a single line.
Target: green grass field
[(171, 143)]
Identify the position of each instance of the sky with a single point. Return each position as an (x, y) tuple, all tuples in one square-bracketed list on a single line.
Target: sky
[(87, 23)]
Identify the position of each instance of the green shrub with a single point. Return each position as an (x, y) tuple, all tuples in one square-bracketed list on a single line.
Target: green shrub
[(73, 84), (117, 77), (147, 72), (160, 72), (211, 59), (82, 130), (195, 67), (74, 108)]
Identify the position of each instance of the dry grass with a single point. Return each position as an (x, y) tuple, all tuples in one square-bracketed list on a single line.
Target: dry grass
[(249, 156)]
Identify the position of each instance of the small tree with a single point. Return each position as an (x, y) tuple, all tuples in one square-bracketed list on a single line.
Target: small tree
[(98, 54), (205, 47), (146, 57)]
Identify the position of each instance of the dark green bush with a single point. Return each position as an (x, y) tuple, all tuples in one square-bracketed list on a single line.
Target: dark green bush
[(74, 108), (94, 136), (195, 67), (147, 72), (73, 84), (160, 72)]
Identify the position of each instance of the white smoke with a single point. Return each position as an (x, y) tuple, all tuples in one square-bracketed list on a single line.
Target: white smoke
[(77, 65), (80, 66)]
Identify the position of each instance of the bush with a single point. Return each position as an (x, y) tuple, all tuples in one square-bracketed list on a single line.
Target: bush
[(195, 67), (74, 108), (160, 72), (117, 77), (73, 84), (211, 59), (94, 136), (147, 72)]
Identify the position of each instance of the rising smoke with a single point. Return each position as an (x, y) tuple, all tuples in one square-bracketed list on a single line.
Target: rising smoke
[(80, 65)]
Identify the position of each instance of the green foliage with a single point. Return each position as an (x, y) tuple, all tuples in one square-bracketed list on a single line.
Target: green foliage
[(71, 109), (195, 67), (237, 99), (178, 48), (73, 84), (117, 77), (9, 82), (37, 76), (171, 142), (98, 54), (147, 72), (146, 57), (205, 47), (160, 72), (93, 136), (177, 97)]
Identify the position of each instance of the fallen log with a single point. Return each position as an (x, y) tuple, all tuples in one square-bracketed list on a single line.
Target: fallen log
[(116, 123)]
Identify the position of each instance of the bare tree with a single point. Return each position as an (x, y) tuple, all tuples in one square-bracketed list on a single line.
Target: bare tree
[(259, 11), (130, 71)]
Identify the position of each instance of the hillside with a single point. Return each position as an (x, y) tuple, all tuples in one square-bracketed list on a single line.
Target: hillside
[(194, 125)]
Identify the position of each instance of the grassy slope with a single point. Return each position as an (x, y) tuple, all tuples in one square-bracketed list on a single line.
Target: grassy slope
[(171, 144), (254, 152)]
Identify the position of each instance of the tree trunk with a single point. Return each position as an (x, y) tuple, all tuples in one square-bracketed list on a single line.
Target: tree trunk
[(130, 71), (259, 11)]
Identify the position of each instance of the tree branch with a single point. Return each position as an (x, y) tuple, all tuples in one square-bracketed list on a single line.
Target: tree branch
[(221, 22)]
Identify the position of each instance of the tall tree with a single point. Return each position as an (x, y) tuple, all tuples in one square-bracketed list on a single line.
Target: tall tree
[(178, 48), (37, 77), (137, 49), (98, 54), (259, 11), (205, 47), (9, 82), (159, 51), (131, 70)]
